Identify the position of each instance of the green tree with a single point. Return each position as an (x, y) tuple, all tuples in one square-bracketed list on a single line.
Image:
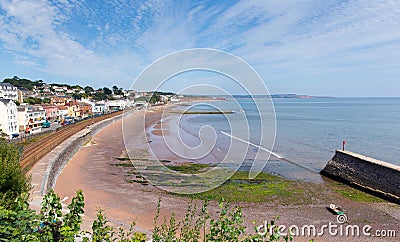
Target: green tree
[(107, 91), (116, 90), (88, 89), (23, 83), (33, 100), (99, 96), (155, 98), (76, 87), (13, 181), (76, 95)]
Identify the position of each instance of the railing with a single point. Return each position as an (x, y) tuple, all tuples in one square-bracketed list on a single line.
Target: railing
[(25, 137)]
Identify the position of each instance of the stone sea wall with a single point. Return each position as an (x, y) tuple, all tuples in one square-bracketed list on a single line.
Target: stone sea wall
[(374, 176)]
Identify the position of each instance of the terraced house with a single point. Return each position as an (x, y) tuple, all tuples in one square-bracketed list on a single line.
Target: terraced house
[(8, 91), (73, 109), (8, 117), (31, 118)]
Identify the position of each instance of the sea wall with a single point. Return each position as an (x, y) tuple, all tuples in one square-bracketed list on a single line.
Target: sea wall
[(374, 176), (62, 154)]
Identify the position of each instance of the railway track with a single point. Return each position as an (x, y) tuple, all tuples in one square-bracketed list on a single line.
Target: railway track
[(37, 150)]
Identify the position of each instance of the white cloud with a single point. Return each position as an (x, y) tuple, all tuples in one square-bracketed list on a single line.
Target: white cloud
[(281, 39), (38, 20)]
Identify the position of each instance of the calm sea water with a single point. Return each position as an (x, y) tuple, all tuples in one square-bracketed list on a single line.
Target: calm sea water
[(308, 131)]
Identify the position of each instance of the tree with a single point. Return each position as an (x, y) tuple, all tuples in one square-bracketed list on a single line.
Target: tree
[(155, 98), (76, 87), (33, 100), (13, 181), (99, 96), (23, 83), (117, 91), (107, 91), (88, 89), (76, 95)]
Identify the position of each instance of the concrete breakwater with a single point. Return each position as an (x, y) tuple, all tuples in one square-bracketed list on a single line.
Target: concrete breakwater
[(377, 177), (60, 156)]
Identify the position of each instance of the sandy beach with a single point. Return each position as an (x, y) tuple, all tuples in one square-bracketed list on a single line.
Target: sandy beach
[(105, 186)]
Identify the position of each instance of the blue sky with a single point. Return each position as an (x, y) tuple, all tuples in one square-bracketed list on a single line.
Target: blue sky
[(338, 48)]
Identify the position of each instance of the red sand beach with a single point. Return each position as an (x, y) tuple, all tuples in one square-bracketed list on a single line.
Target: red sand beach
[(105, 186)]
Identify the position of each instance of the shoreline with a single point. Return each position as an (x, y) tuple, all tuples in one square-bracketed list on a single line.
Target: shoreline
[(105, 186)]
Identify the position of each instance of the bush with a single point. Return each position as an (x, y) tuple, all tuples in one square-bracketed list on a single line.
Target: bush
[(195, 226), (13, 181), (22, 224)]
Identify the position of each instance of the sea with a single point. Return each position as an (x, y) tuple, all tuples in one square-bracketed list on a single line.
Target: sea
[(307, 131)]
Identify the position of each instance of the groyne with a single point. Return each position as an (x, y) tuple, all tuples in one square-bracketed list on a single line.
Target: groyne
[(377, 177)]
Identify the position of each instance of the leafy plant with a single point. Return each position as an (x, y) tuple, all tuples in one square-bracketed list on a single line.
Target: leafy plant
[(13, 181), (227, 226)]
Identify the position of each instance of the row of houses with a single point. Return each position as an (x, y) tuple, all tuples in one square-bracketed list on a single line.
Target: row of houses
[(8, 91), (30, 118)]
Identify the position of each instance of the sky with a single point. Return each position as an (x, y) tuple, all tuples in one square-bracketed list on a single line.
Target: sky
[(330, 48)]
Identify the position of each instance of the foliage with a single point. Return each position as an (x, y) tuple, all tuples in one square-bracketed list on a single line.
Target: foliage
[(19, 223), (99, 96), (117, 91), (33, 100), (76, 87), (88, 89), (107, 91), (23, 83), (76, 96), (228, 226), (197, 225), (155, 98), (13, 181), (104, 232)]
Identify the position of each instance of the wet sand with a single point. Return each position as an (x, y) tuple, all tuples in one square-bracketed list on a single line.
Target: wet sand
[(105, 186)]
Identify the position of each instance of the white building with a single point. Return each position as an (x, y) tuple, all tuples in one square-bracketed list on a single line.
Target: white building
[(8, 117), (62, 112), (121, 104), (8, 91), (31, 118), (175, 99), (84, 100), (59, 89), (99, 108)]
